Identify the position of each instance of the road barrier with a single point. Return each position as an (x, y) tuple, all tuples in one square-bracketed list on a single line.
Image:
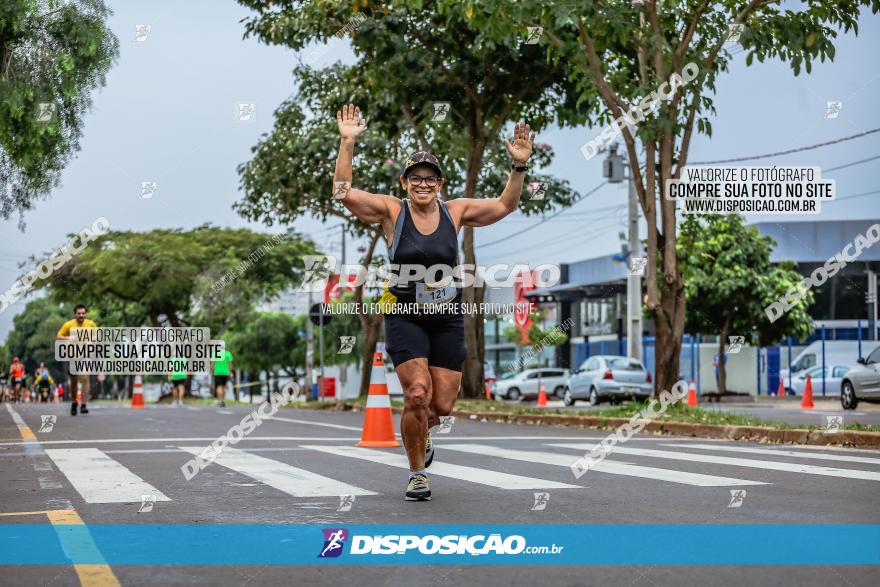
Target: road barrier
[(378, 423)]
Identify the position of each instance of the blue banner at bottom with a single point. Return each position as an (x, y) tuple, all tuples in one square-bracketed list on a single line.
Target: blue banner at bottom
[(472, 544)]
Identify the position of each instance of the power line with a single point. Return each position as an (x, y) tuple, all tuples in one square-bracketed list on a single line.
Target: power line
[(845, 165), (543, 220), (790, 151)]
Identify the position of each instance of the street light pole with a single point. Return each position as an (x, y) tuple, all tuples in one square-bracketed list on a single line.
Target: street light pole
[(634, 281), (613, 169)]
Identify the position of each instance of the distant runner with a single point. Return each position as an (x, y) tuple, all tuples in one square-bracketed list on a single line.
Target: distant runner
[(77, 382), (221, 377), (16, 377), (427, 349), (43, 385), (178, 385)]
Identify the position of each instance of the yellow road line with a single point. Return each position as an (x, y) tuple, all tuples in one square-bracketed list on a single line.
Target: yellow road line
[(100, 575), (23, 429)]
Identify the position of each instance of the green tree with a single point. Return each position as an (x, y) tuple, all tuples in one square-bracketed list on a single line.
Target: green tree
[(617, 54), (267, 344), (409, 56), (207, 276), (53, 54), (729, 280), (32, 337)]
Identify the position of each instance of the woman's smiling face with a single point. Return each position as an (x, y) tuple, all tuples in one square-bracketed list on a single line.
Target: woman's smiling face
[(417, 184)]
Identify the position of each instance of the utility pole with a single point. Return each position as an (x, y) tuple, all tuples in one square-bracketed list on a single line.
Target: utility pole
[(614, 170), (310, 355), (343, 368), (871, 298), (634, 281)]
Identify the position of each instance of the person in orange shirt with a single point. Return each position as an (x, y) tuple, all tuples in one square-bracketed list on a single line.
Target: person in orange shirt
[(16, 374), (79, 321)]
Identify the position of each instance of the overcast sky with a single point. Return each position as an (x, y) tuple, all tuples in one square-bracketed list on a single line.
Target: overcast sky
[(168, 112)]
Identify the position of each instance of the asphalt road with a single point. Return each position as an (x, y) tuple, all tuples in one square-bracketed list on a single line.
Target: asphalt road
[(100, 465)]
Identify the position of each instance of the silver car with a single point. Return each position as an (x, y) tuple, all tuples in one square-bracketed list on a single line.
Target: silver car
[(861, 382), (608, 377), (817, 374)]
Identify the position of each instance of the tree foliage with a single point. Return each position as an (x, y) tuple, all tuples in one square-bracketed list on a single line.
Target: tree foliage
[(729, 280), (617, 53), (207, 276), (409, 56), (268, 342), (32, 337), (53, 54)]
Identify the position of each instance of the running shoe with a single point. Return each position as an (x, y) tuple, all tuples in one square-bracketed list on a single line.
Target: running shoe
[(73, 409), (418, 489), (222, 404), (83, 409), (429, 450)]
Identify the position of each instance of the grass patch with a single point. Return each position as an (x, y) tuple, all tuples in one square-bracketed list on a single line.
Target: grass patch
[(679, 412)]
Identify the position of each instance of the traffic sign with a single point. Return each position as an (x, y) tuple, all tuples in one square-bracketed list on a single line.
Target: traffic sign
[(315, 314)]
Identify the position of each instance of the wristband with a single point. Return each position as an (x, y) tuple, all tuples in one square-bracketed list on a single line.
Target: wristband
[(520, 168)]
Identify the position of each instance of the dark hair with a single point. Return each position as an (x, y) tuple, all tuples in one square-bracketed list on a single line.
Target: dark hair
[(78, 306)]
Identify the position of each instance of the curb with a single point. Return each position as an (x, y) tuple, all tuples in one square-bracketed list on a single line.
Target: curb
[(854, 438)]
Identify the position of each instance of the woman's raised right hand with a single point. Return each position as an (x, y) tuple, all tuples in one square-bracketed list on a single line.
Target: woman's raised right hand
[(350, 127)]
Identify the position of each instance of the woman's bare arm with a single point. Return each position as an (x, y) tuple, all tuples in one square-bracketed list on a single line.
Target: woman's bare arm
[(483, 212), (370, 208)]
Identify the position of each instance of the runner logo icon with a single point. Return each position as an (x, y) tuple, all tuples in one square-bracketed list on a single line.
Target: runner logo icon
[(334, 540)]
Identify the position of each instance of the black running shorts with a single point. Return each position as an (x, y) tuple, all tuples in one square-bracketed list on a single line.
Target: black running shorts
[(436, 337)]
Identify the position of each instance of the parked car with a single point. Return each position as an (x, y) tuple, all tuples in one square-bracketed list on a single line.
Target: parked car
[(861, 382), (525, 385), (608, 377), (837, 352), (817, 374)]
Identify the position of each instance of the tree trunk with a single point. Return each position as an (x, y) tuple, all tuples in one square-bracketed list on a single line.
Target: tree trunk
[(371, 337), (474, 338), (669, 325), (472, 372), (722, 370)]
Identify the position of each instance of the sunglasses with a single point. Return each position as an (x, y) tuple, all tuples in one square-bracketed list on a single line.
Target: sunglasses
[(431, 181)]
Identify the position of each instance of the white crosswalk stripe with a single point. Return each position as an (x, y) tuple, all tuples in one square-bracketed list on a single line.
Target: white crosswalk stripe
[(737, 462), (471, 474), (100, 479), (606, 466), (287, 478), (781, 452)]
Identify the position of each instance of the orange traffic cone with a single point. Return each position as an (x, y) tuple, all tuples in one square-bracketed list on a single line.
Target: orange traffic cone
[(807, 402), (781, 391), (137, 394), (79, 395), (542, 397), (58, 395), (378, 423), (488, 393), (692, 395)]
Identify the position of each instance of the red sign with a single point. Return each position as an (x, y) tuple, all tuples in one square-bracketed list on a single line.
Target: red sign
[(524, 283), (329, 386), (334, 290)]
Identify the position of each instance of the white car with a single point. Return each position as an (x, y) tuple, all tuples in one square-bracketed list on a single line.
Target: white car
[(525, 385), (608, 377), (832, 383)]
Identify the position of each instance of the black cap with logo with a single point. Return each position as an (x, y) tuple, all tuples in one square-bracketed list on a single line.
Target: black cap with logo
[(422, 158)]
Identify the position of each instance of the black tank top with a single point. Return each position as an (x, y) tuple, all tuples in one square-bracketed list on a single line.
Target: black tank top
[(411, 247)]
